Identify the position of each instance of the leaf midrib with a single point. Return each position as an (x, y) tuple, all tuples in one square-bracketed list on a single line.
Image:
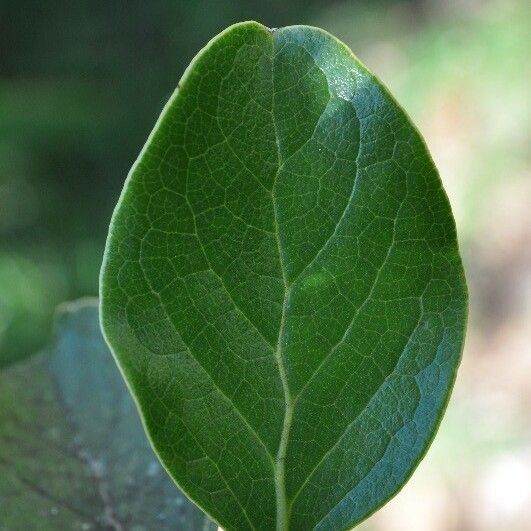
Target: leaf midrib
[(280, 461)]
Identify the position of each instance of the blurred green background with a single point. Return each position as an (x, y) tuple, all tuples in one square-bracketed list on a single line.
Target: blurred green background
[(81, 85)]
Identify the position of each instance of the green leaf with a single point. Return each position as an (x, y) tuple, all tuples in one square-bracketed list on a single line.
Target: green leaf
[(73, 454), (282, 286)]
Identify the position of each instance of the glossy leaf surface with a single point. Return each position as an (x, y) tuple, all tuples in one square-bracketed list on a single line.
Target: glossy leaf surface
[(73, 454), (282, 286)]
